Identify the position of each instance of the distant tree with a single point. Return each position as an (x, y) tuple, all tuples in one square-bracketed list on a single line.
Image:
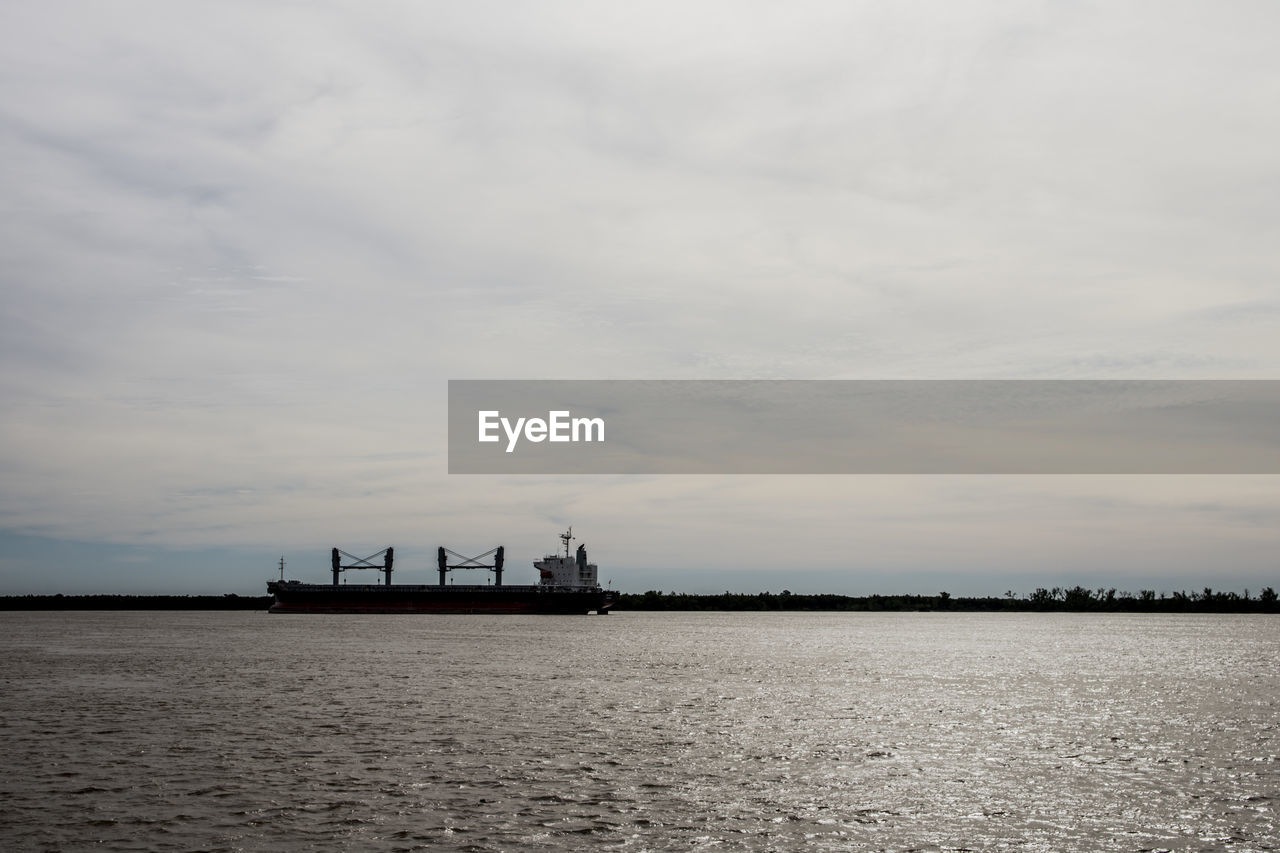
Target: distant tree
[(1078, 598), (1041, 598)]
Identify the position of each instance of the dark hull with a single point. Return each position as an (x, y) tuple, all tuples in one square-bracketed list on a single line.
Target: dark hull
[(372, 598)]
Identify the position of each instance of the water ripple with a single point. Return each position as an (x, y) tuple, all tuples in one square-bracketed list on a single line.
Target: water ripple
[(645, 732)]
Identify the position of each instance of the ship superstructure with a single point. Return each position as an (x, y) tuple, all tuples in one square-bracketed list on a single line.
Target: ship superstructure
[(566, 571)]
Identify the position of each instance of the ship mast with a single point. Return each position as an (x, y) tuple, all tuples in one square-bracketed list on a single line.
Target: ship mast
[(566, 537), (281, 567)]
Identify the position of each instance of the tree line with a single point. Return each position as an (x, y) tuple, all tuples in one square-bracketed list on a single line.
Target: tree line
[(230, 601), (1073, 599)]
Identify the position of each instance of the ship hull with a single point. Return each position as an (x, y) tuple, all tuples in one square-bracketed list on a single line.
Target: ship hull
[(405, 598)]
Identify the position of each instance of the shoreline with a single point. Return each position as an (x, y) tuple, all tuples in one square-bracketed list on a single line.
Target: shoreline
[(1075, 600)]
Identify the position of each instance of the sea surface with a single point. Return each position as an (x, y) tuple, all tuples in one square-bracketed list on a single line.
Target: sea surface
[(185, 731)]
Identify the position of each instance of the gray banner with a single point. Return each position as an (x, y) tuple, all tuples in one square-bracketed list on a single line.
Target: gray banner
[(864, 427)]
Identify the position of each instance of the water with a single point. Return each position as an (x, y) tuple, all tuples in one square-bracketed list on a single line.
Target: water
[(640, 731)]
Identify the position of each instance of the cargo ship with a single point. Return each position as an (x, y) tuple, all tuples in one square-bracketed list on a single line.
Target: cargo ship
[(567, 583)]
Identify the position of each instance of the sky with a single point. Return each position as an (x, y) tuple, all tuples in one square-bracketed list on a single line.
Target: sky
[(245, 245)]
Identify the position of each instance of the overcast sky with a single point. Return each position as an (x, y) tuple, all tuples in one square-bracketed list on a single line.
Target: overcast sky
[(243, 246)]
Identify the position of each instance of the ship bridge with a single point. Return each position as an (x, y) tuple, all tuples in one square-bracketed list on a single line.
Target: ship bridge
[(567, 570)]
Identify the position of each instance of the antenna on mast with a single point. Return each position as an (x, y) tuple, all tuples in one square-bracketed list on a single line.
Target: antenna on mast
[(282, 567), (566, 537)]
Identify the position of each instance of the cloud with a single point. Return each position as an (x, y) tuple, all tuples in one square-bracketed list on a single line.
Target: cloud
[(243, 245)]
